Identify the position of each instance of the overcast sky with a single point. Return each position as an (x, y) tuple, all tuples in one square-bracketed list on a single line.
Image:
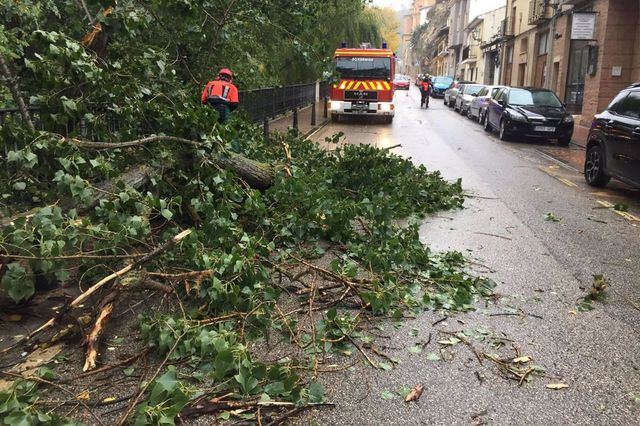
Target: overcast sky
[(484, 5)]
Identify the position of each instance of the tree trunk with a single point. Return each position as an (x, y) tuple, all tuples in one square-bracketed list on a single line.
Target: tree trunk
[(257, 175), (11, 83)]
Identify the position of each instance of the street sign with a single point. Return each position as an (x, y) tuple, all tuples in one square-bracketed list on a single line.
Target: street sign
[(583, 26)]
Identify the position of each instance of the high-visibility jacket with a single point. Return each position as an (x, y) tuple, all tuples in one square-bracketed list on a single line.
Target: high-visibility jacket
[(220, 91), (424, 86)]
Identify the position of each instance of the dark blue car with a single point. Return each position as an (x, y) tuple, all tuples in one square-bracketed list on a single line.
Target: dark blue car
[(529, 112), (440, 85)]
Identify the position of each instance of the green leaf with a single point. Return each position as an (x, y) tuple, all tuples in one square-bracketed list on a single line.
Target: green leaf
[(385, 394), (432, 356), (415, 349), (384, 366), (167, 214), (317, 393), (18, 285), (19, 186)]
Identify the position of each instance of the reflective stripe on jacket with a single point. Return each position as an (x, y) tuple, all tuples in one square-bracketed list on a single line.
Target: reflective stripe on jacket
[(222, 90)]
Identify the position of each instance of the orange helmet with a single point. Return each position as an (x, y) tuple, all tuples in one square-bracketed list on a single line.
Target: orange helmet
[(226, 72)]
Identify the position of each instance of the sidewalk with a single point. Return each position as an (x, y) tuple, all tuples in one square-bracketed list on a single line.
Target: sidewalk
[(573, 155), (282, 124)]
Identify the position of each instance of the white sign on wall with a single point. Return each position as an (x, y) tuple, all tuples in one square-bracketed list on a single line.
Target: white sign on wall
[(583, 26)]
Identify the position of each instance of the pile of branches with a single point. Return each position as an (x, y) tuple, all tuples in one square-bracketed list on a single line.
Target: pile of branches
[(309, 229), (251, 239)]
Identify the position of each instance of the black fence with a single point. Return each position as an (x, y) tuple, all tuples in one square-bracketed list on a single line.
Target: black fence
[(259, 104), (272, 102)]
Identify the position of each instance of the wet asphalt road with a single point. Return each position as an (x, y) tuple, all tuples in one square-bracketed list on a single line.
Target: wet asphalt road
[(542, 268)]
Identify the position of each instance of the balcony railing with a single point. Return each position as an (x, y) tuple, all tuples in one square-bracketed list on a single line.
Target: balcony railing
[(538, 11)]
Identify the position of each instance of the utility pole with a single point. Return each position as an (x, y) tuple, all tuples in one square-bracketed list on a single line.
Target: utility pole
[(548, 79)]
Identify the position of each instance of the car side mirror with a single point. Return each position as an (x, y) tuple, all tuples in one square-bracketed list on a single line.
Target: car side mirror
[(501, 102)]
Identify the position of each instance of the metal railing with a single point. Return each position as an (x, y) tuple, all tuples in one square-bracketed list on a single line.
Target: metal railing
[(260, 104)]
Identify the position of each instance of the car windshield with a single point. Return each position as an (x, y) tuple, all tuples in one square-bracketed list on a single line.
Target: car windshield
[(472, 89), (539, 98), (443, 80), (359, 67), (400, 77)]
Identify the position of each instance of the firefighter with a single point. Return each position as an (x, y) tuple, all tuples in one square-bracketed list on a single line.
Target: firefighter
[(425, 90), (221, 94)]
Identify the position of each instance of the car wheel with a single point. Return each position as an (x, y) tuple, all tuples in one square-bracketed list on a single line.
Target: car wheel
[(469, 114), (594, 167), (504, 134), (564, 141), (444, 100), (487, 125), (480, 117)]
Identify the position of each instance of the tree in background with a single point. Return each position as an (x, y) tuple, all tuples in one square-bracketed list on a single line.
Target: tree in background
[(389, 25)]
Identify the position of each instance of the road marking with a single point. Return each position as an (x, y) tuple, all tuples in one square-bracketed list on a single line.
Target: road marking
[(626, 215), (567, 182)]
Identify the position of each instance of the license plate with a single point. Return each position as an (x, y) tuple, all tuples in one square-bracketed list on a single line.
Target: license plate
[(544, 129)]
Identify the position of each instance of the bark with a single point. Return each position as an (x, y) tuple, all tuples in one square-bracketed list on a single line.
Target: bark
[(93, 338), (11, 83), (257, 175)]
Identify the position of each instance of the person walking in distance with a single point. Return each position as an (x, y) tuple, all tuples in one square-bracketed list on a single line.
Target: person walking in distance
[(221, 94), (425, 89)]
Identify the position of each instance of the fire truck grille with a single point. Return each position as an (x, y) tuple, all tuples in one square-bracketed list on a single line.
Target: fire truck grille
[(364, 95)]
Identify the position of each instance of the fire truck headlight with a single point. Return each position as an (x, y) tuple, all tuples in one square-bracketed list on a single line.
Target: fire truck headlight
[(335, 105), (386, 107)]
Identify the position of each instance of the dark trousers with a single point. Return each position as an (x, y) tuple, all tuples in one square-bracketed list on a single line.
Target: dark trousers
[(425, 98)]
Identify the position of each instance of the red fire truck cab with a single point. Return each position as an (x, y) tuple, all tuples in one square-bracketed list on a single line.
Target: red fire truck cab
[(365, 86)]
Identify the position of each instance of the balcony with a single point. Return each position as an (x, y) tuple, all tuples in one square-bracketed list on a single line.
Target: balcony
[(538, 11)]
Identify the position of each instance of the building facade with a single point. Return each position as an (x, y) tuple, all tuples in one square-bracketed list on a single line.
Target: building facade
[(416, 16), (584, 50)]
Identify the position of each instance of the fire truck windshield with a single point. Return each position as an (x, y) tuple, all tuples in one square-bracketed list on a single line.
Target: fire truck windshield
[(360, 67)]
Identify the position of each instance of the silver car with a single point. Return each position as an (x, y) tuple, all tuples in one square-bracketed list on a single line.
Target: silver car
[(466, 94), (478, 108), (451, 93)]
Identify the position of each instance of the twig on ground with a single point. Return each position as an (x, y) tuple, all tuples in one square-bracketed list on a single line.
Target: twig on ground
[(494, 235), (57, 386), (143, 389), (85, 295)]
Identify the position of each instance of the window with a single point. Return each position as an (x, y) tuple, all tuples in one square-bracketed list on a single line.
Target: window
[(472, 89), (542, 98), (512, 24), (630, 106), (615, 104), (524, 45), (361, 67), (510, 54), (543, 43), (483, 92), (494, 91)]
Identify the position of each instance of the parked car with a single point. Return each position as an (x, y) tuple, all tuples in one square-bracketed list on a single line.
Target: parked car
[(451, 93), (465, 95), (440, 85), (401, 82), (529, 112), (613, 145), (478, 107)]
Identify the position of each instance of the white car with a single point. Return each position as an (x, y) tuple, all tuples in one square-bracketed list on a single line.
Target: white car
[(464, 97)]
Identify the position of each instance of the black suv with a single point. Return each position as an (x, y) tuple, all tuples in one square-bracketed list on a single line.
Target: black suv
[(613, 146)]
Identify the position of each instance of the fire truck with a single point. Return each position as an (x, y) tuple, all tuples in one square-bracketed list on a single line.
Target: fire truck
[(365, 86)]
